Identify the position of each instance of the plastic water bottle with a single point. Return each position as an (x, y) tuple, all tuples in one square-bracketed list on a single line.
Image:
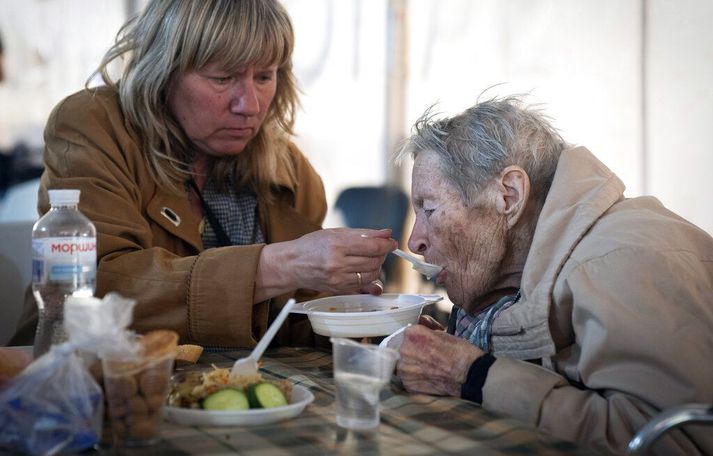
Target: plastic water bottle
[(64, 259)]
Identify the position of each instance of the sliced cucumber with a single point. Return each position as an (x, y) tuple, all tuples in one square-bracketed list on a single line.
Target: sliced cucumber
[(265, 395), (226, 399)]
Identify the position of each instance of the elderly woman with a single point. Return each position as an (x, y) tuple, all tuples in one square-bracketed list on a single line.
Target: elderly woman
[(577, 310), (207, 214)]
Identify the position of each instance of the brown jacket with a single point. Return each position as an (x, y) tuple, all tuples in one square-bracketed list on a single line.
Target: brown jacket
[(618, 308), (204, 295)]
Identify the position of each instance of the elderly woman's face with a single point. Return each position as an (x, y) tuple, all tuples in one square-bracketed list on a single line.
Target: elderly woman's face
[(221, 112), (469, 241)]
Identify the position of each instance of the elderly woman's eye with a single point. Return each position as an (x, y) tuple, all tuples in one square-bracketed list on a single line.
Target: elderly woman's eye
[(222, 79)]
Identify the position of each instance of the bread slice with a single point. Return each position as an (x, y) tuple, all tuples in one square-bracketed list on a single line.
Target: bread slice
[(188, 354), (159, 343)]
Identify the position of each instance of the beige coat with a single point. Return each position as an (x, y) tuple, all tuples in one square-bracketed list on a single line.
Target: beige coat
[(204, 295), (618, 308)]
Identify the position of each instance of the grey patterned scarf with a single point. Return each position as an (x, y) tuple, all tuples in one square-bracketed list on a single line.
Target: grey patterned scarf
[(478, 328)]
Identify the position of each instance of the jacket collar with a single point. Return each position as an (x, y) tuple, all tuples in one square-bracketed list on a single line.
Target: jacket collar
[(583, 189)]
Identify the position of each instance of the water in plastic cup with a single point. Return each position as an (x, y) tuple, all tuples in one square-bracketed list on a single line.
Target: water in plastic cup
[(360, 372)]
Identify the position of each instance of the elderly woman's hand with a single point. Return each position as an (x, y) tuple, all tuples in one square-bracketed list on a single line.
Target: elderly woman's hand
[(339, 261), (434, 362)]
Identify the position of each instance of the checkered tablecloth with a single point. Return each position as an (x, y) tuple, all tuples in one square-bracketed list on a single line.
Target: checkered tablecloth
[(411, 424)]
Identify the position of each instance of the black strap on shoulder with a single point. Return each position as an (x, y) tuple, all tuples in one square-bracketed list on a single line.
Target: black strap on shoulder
[(223, 239)]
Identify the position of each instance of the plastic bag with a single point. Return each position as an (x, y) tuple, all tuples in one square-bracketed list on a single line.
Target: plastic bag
[(54, 406), (99, 326)]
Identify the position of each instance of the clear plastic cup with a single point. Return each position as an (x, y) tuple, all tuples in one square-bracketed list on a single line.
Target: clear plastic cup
[(360, 373), (135, 391)]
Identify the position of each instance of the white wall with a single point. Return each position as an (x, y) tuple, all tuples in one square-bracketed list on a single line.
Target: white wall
[(680, 107), (51, 48), (340, 62)]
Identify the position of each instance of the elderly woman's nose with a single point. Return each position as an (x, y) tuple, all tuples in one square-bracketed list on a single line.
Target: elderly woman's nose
[(417, 242), (245, 99)]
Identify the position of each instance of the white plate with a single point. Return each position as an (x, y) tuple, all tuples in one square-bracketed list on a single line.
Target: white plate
[(301, 397), (363, 315)]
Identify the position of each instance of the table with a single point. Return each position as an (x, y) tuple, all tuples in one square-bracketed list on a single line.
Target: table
[(411, 424)]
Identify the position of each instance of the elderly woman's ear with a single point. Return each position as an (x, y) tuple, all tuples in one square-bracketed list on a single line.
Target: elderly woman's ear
[(512, 193)]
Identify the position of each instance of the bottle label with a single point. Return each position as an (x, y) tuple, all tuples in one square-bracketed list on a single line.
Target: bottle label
[(62, 259)]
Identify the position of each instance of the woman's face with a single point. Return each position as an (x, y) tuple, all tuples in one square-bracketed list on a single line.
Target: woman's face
[(469, 241), (221, 112)]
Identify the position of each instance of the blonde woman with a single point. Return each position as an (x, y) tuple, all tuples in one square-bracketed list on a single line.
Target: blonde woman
[(206, 213)]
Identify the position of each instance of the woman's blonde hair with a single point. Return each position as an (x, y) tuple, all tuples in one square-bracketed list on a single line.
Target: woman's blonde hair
[(171, 37)]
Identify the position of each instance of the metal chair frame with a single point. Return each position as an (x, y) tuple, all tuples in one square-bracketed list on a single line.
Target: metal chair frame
[(667, 420)]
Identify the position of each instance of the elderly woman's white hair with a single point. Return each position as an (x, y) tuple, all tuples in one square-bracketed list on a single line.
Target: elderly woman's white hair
[(476, 145)]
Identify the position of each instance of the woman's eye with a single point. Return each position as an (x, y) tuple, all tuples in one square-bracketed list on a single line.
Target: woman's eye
[(222, 79), (265, 77)]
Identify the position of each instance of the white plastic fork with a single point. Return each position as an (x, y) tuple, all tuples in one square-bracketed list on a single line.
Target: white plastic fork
[(427, 269), (248, 365)]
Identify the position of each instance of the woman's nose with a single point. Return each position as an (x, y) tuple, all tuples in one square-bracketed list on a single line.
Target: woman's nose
[(417, 241), (245, 100)]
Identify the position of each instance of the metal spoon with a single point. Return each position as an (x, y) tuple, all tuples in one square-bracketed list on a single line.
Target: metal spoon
[(248, 365), (427, 269)]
